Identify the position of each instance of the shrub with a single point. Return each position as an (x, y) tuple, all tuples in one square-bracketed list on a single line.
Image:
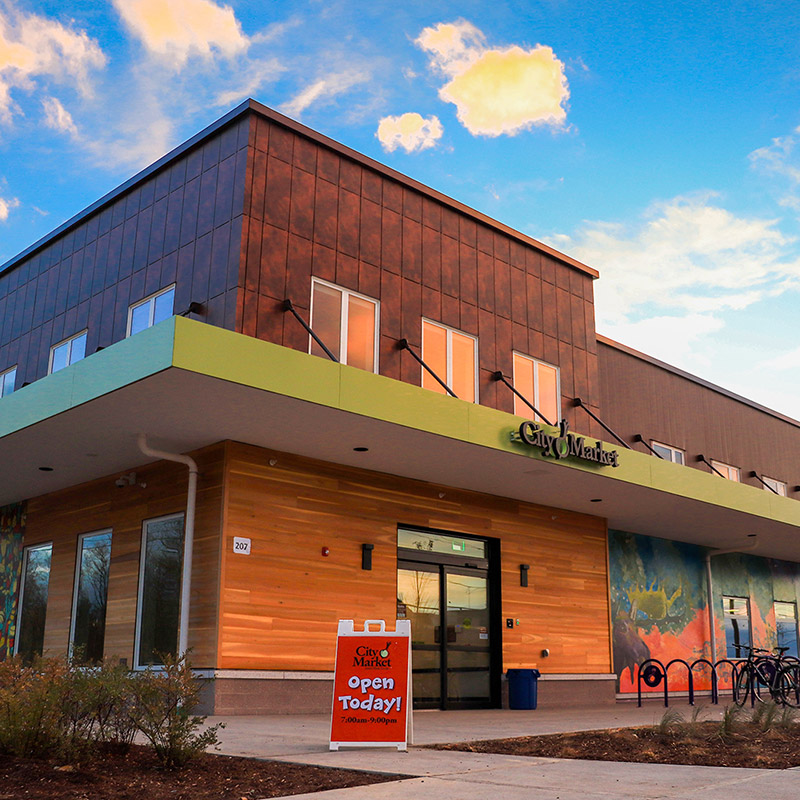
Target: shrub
[(113, 702), (728, 723), (765, 715), (32, 720), (671, 722), (165, 700)]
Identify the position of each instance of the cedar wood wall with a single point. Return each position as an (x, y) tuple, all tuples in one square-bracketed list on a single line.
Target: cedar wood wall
[(280, 605), (62, 516), (639, 397)]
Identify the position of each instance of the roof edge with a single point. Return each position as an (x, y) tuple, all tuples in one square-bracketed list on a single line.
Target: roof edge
[(109, 197), (342, 149), (254, 106), (694, 379)]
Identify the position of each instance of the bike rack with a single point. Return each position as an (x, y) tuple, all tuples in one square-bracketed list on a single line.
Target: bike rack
[(652, 672)]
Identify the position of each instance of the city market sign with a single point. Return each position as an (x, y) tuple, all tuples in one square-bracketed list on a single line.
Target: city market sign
[(564, 444)]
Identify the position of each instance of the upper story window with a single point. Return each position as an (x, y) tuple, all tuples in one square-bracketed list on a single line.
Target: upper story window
[(453, 356), (779, 487), (151, 310), (67, 352), (8, 380), (726, 470), (539, 384), (348, 324), (669, 453)]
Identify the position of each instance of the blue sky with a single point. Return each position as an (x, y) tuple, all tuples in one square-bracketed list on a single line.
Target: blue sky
[(657, 142)]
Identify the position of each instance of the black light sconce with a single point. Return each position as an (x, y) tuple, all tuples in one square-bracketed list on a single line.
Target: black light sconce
[(523, 574), (366, 555)]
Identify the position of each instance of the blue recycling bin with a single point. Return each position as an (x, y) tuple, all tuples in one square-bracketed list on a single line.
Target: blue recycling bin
[(523, 688)]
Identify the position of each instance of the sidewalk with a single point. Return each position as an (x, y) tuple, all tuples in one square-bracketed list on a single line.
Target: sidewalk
[(443, 775)]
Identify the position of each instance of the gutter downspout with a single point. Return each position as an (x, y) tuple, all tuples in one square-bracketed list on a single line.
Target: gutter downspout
[(710, 589), (188, 543)]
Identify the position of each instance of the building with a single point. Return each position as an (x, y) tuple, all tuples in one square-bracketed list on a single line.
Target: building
[(155, 325)]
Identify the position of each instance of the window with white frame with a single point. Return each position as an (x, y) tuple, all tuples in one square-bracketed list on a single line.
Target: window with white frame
[(669, 453), (538, 383), (453, 356), (67, 352), (779, 487), (158, 604), (32, 607), (90, 597), (726, 470), (8, 380), (347, 322), (152, 310)]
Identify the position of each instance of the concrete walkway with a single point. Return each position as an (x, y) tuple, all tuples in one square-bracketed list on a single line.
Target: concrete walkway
[(466, 776)]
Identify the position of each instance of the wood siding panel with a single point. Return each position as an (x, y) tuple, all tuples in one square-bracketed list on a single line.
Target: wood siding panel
[(279, 606), (62, 516)]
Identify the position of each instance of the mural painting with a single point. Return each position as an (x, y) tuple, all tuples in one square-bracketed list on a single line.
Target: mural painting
[(658, 604), (12, 528)]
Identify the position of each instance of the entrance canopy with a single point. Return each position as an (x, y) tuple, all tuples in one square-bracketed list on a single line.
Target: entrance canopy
[(186, 385)]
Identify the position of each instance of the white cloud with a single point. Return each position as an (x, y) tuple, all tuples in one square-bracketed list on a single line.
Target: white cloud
[(324, 89), (779, 159), (496, 90), (179, 29), (34, 47), (6, 204), (688, 255), (57, 117), (257, 74), (411, 131)]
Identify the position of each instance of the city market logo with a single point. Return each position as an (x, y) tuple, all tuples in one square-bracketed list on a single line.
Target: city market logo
[(371, 657), (564, 444)]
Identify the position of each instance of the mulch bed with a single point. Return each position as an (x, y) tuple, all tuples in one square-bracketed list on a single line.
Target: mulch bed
[(698, 744), (138, 776)]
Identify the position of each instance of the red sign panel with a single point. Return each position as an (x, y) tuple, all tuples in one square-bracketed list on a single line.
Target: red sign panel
[(371, 686)]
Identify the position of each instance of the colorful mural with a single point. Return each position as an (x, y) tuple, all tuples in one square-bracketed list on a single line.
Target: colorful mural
[(659, 604), (12, 528)]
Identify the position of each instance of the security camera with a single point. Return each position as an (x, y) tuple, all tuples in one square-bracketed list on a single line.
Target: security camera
[(125, 480)]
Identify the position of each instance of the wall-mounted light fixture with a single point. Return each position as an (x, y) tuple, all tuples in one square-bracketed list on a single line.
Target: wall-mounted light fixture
[(366, 555), (523, 574)]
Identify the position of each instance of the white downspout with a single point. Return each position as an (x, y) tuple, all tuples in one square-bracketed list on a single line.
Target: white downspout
[(188, 542), (710, 589)]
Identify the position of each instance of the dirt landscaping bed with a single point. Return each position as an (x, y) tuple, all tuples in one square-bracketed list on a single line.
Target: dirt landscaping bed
[(138, 776), (700, 743)]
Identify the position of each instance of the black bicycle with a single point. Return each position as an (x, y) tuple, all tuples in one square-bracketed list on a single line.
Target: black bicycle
[(766, 675)]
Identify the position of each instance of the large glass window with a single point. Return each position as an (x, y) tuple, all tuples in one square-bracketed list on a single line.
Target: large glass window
[(90, 596), (736, 613), (786, 627), (538, 383), (159, 589), (32, 609), (347, 322), (453, 356), (151, 310), (726, 470), (67, 352), (8, 380), (668, 453)]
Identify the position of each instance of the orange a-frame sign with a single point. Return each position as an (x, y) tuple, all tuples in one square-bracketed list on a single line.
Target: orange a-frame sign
[(372, 686)]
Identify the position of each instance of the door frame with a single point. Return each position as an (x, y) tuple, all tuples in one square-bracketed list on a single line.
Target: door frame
[(490, 566)]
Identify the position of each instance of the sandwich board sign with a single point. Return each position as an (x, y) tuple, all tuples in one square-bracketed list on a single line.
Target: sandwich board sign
[(372, 686)]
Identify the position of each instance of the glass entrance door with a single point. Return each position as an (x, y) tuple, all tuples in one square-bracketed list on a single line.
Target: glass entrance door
[(450, 631)]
